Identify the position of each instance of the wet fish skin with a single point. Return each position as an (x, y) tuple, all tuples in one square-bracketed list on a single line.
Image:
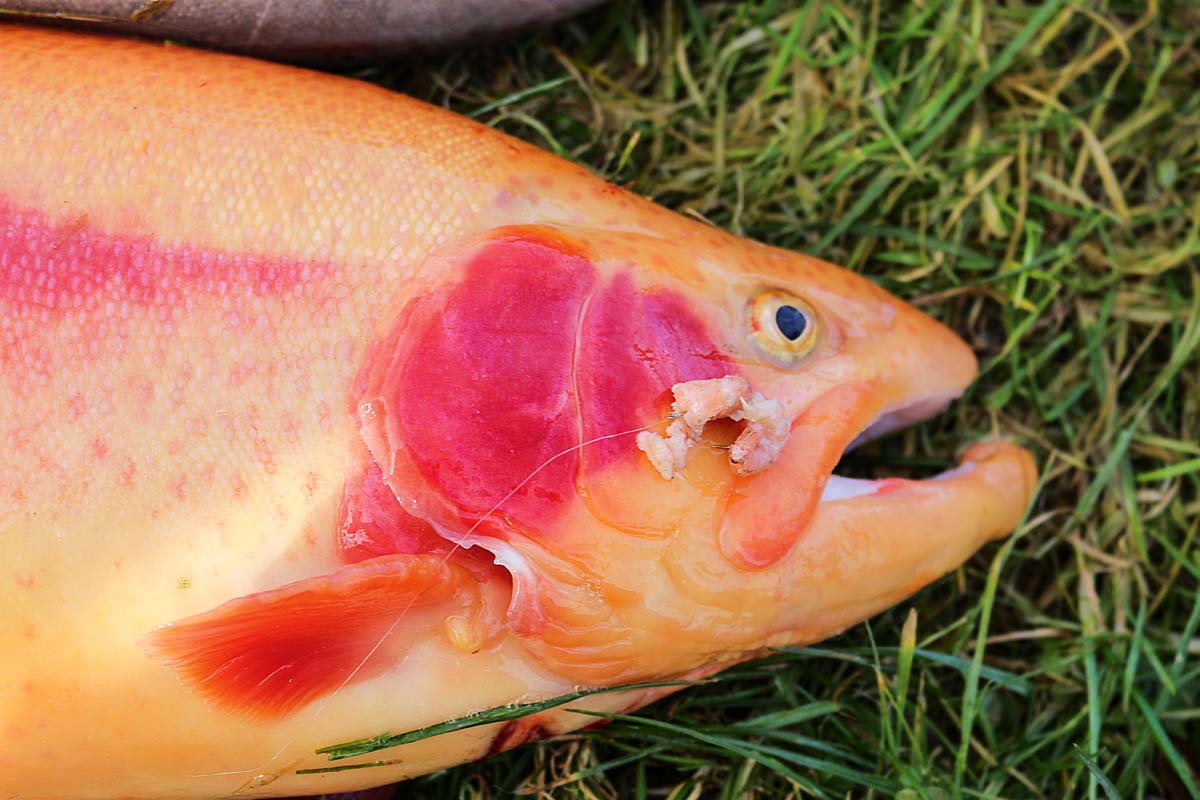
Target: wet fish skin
[(310, 31), (231, 289)]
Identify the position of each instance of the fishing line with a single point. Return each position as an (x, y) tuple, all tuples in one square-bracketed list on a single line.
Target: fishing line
[(456, 546)]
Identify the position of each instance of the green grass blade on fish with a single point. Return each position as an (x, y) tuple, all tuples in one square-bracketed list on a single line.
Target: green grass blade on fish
[(372, 744)]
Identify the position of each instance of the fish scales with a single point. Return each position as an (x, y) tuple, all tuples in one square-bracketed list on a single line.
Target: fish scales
[(320, 415)]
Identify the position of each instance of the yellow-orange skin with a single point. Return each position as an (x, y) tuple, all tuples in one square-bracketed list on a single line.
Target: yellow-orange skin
[(212, 487)]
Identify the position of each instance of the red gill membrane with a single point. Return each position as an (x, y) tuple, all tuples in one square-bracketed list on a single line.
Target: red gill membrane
[(486, 388)]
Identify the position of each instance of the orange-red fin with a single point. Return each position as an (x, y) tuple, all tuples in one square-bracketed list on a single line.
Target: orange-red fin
[(267, 654)]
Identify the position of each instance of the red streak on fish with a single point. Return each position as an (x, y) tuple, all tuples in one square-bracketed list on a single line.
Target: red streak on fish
[(483, 398), (492, 384), (373, 523), (636, 346), (73, 267)]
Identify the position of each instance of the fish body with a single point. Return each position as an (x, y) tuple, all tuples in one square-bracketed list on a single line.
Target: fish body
[(309, 30), (320, 420)]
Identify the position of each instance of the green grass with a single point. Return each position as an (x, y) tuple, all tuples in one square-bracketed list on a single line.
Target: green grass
[(1027, 172)]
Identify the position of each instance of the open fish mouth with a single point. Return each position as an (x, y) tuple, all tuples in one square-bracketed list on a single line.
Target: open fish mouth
[(838, 487), (982, 497)]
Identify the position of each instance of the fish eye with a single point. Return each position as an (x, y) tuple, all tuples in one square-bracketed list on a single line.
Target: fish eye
[(782, 326), (791, 322)]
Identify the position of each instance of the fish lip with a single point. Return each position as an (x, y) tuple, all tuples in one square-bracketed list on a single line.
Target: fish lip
[(891, 419), (894, 418)]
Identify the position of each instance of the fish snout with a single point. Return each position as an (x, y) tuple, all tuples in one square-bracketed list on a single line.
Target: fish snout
[(923, 367), (882, 365)]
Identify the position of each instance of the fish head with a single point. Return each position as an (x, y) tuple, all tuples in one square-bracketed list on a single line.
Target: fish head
[(614, 451), (515, 401)]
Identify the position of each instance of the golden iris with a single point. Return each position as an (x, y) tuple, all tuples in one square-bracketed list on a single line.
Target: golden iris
[(782, 326)]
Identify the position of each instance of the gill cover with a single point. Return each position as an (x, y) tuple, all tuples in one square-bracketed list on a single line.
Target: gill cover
[(499, 413), (520, 372)]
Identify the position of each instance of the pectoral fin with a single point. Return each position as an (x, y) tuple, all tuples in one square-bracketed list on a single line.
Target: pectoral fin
[(267, 654)]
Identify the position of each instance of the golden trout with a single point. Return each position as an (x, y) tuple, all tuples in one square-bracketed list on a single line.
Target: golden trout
[(326, 413)]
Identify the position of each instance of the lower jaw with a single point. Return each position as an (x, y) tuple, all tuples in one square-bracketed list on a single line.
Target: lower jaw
[(840, 488)]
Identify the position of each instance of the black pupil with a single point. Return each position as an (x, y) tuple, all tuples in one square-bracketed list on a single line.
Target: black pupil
[(791, 322)]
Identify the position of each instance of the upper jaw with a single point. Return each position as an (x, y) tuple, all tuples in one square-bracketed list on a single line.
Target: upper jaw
[(920, 367), (905, 415), (891, 419)]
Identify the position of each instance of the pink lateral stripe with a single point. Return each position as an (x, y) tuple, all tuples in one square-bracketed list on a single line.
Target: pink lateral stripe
[(64, 267)]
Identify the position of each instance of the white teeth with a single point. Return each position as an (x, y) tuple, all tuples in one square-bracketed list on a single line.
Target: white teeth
[(961, 469), (839, 488)]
